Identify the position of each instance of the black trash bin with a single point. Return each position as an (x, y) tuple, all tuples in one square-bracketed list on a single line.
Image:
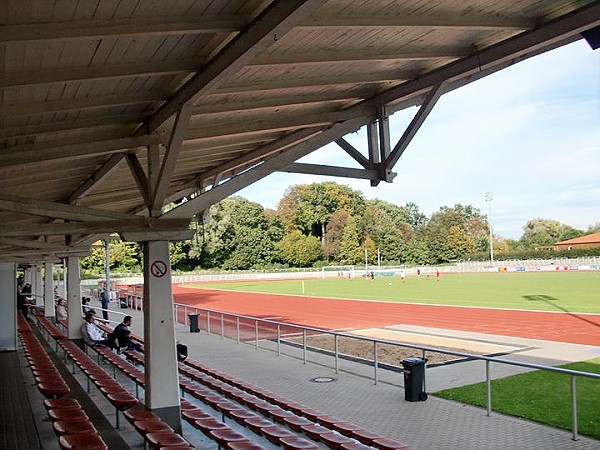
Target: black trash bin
[(414, 379), (123, 302), (193, 323)]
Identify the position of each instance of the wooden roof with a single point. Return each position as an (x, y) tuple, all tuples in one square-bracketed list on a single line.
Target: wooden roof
[(111, 109)]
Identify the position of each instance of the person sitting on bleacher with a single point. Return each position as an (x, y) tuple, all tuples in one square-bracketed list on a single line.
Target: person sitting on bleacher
[(61, 309), (122, 336), (182, 351), (92, 335)]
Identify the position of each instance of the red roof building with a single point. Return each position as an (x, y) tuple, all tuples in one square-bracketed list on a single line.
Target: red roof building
[(587, 241)]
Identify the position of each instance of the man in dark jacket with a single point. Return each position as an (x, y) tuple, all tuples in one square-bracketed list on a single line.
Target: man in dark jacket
[(122, 335)]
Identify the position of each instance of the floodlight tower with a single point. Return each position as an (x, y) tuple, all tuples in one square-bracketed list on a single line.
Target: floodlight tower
[(488, 198)]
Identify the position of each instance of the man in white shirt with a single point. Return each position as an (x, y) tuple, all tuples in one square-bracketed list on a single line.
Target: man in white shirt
[(93, 335)]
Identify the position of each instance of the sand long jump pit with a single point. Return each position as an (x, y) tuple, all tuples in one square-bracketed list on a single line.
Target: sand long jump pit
[(393, 354)]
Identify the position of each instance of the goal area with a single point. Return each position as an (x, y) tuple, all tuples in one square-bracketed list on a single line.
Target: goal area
[(337, 272)]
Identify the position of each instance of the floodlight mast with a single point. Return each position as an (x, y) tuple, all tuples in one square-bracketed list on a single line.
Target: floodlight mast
[(488, 198)]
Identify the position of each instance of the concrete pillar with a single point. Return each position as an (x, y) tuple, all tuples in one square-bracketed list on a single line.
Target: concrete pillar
[(161, 376), (8, 306), (37, 288), (74, 318), (49, 305)]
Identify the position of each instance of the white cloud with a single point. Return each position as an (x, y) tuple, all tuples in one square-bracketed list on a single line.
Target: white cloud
[(530, 134)]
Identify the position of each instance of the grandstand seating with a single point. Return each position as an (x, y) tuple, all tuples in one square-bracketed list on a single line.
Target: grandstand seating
[(267, 416)]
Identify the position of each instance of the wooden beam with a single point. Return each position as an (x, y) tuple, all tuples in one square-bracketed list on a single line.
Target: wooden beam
[(418, 120), (96, 178), (410, 19), (274, 22), (81, 73), (122, 120), (57, 210), (144, 26), (314, 82), (167, 167), (80, 104), (353, 152), (141, 180), (332, 171), (319, 56), (111, 226), (36, 153), (270, 165), (33, 244)]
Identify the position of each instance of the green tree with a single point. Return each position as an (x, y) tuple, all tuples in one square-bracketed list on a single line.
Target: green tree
[(370, 248), (350, 250), (333, 234), (460, 243), (311, 205), (386, 224), (299, 250), (417, 252), (540, 232), (239, 235)]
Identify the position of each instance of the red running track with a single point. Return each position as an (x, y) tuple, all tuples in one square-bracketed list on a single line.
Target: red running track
[(339, 314)]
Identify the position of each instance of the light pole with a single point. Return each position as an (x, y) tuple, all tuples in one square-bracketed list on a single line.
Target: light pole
[(488, 198)]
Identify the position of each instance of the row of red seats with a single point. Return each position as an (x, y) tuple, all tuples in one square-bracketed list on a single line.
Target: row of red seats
[(70, 423), (120, 398), (218, 431), (334, 432), (257, 423), (152, 428), (320, 426)]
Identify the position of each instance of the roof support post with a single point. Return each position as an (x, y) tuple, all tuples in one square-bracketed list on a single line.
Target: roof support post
[(161, 375), (74, 318), (49, 305), (8, 306)]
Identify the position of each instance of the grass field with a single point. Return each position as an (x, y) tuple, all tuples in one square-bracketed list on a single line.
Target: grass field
[(543, 291), (541, 396)]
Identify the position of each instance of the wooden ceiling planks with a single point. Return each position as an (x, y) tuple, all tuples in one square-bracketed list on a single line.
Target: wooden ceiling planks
[(90, 72)]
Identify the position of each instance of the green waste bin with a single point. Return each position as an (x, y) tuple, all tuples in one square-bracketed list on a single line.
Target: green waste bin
[(414, 379)]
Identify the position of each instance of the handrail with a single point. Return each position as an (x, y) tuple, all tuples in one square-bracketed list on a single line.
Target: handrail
[(488, 359)]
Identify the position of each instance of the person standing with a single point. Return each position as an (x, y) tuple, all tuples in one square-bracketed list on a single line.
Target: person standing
[(105, 302)]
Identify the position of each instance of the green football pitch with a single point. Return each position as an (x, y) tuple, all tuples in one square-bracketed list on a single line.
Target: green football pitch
[(543, 291)]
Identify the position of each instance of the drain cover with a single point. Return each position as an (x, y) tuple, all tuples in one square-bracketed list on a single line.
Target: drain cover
[(323, 379)]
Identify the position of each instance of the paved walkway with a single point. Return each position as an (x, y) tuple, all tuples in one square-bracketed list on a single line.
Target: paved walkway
[(353, 395)]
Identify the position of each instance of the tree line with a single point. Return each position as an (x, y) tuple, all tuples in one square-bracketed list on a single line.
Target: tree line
[(327, 224)]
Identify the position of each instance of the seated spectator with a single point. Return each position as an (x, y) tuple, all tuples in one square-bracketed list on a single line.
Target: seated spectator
[(61, 309), (122, 336), (92, 335), (182, 351)]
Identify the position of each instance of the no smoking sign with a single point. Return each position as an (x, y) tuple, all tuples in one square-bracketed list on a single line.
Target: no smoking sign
[(158, 269)]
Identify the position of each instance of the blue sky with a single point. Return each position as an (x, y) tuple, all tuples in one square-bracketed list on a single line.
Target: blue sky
[(530, 134)]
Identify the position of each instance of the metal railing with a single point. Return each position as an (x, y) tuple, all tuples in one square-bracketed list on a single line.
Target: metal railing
[(235, 323)]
